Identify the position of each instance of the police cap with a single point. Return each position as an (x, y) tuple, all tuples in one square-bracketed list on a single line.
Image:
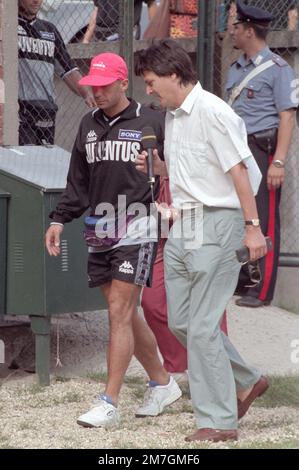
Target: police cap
[(250, 14)]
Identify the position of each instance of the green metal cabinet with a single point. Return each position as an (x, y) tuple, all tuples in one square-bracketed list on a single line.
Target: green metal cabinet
[(3, 236), (36, 284)]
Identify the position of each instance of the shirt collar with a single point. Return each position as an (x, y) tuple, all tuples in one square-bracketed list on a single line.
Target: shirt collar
[(26, 20), (190, 99), (256, 60)]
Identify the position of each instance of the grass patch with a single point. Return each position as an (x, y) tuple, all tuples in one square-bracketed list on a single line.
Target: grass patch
[(284, 444), (187, 408), (134, 380), (3, 438), (102, 377), (61, 379), (35, 389), (185, 391), (8, 447), (70, 397), (25, 426), (270, 423), (138, 392), (97, 376), (50, 400), (283, 391)]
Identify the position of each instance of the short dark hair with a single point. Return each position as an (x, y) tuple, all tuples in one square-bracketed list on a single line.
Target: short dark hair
[(165, 57), (261, 31)]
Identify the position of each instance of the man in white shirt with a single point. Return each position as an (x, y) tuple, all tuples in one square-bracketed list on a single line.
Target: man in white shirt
[(213, 178)]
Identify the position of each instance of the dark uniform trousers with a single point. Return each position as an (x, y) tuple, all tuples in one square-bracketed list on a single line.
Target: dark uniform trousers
[(268, 211), (36, 124)]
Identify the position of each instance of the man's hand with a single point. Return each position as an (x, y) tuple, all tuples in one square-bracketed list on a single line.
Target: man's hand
[(90, 101), (275, 177), (52, 239), (159, 166), (167, 212), (255, 241)]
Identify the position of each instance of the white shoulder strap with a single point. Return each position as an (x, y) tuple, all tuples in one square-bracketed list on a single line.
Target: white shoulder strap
[(238, 89)]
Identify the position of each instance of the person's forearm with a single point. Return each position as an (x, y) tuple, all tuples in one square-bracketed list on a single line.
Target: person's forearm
[(72, 80), (152, 10), (253, 238), (87, 36), (244, 191), (91, 27), (285, 130)]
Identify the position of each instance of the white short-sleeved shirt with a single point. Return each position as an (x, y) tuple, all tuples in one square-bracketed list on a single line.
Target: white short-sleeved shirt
[(204, 139)]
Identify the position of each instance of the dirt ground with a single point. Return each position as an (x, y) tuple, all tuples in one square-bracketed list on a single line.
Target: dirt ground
[(263, 336), (35, 417)]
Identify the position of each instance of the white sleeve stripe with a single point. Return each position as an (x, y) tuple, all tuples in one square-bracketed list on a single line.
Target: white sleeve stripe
[(70, 71)]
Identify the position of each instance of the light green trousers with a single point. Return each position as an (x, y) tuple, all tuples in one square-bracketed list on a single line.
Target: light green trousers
[(200, 282)]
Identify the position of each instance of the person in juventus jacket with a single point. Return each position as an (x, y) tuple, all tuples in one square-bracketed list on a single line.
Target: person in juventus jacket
[(102, 176), (42, 53)]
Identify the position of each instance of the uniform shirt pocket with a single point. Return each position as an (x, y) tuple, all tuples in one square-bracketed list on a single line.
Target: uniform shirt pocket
[(257, 88), (192, 159)]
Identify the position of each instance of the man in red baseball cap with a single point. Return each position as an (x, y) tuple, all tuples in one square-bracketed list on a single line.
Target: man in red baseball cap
[(102, 178), (108, 77), (105, 69)]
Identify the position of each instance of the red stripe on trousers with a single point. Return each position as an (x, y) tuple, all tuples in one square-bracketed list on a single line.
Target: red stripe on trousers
[(269, 261)]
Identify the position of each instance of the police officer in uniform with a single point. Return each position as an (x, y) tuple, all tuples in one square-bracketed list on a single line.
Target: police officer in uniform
[(259, 89)]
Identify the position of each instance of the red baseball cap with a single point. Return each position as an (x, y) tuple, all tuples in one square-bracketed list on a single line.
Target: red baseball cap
[(105, 69)]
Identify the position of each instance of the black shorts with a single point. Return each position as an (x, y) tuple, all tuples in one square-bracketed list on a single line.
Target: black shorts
[(133, 264)]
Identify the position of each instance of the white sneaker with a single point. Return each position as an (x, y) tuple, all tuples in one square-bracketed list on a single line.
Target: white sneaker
[(158, 397), (101, 414)]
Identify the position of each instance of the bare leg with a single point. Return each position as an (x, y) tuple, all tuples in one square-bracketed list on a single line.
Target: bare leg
[(146, 351), (122, 300)]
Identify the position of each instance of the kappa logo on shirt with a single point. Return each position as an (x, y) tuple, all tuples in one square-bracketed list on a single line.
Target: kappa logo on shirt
[(126, 268), (91, 136), (125, 134), (21, 30)]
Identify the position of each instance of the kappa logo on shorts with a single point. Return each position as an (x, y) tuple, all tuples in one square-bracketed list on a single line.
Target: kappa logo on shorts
[(126, 268)]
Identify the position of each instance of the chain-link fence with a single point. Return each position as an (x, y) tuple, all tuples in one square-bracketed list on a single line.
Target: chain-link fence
[(283, 40), (43, 52), (45, 65), (284, 12)]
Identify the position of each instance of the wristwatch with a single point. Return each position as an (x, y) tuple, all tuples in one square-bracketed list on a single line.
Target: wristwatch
[(278, 163), (254, 222)]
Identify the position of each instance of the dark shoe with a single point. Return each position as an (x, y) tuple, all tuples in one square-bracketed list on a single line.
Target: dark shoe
[(241, 291), (252, 302), (214, 435), (258, 390)]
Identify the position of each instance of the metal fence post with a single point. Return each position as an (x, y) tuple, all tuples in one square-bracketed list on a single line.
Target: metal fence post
[(210, 18), (8, 24), (201, 8), (206, 42), (126, 39)]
